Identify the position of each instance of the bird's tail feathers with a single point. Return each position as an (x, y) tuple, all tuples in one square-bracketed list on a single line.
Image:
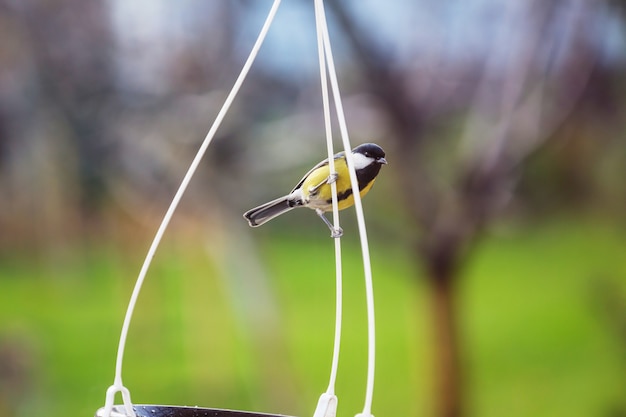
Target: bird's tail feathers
[(266, 212)]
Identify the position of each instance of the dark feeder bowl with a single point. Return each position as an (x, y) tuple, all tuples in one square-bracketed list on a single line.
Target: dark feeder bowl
[(178, 411)]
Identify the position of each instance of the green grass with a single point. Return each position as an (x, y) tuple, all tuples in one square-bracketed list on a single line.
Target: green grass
[(220, 330), (539, 343)]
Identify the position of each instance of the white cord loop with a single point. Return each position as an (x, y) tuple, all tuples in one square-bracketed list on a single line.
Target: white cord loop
[(327, 71)]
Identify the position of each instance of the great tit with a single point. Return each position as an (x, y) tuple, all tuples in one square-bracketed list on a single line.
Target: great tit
[(314, 191)]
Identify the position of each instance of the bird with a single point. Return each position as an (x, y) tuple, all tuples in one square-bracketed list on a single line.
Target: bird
[(314, 191)]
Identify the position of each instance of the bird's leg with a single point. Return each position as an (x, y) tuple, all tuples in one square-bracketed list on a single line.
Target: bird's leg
[(335, 232), (331, 178)]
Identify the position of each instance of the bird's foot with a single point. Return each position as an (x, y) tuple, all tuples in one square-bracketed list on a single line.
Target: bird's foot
[(335, 232)]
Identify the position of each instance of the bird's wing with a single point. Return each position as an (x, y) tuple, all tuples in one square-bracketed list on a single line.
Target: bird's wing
[(319, 165)]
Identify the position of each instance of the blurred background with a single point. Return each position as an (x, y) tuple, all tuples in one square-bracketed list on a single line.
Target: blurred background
[(497, 231)]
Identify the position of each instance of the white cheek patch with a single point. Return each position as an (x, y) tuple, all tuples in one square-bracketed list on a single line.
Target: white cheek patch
[(361, 161)]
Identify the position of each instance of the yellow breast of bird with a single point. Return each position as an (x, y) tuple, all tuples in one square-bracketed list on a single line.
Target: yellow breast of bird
[(322, 197)]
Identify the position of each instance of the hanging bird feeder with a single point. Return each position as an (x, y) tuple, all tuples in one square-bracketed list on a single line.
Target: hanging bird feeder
[(327, 404)]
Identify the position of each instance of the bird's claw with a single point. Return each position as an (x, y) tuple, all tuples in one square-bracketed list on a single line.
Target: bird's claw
[(335, 232)]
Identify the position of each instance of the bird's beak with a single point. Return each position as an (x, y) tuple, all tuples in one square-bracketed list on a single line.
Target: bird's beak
[(382, 161)]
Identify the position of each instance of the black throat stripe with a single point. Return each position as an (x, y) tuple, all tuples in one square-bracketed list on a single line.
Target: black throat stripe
[(364, 177)]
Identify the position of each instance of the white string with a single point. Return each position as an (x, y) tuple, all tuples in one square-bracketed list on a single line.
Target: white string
[(327, 404), (333, 188), (369, 292), (117, 384)]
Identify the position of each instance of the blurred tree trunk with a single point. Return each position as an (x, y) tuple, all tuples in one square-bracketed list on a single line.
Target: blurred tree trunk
[(448, 374)]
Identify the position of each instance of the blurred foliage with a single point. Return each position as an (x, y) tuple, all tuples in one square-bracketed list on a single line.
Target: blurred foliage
[(541, 339), (104, 104)]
